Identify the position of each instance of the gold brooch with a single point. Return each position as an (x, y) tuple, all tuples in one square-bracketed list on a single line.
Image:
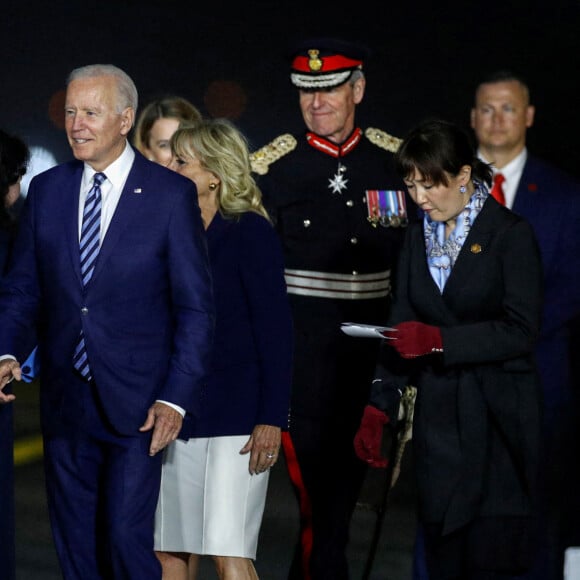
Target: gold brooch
[(475, 248)]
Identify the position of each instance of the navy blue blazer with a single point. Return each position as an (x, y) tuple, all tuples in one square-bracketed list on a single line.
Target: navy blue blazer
[(147, 313), (549, 199), (251, 369)]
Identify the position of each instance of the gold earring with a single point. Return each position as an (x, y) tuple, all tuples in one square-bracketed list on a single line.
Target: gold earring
[(212, 186)]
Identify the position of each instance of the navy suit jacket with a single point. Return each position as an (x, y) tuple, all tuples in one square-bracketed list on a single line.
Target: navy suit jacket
[(251, 369), (549, 199), (147, 313)]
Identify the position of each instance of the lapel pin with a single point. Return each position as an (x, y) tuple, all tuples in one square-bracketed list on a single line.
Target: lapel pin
[(475, 248), (138, 190)]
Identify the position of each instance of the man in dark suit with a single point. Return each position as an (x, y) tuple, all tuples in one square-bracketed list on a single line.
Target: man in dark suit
[(142, 320), (550, 200)]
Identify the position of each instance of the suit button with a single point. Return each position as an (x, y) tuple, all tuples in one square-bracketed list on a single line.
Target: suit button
[(353, 240), (350, 203), (84, 310)]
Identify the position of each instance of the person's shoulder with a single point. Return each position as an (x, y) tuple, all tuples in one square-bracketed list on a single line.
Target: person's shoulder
[(252, 221), (382, 139), (254, 228), (157, 173), (271, 152), (540, 168), (501, 217), (66, 168), (54, 176), (257, 238)]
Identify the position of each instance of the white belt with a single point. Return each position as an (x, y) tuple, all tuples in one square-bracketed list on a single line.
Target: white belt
[(343, 286)]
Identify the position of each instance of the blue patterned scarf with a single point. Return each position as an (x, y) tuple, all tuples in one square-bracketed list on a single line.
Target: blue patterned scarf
[(442, 253)]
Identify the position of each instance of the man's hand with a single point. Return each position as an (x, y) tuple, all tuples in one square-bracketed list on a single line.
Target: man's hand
[(9, 370), (166, 423), (264, 447)]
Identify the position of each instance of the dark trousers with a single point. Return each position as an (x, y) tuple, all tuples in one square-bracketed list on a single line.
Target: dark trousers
[(102, 493), (496, 548), (327, 478)]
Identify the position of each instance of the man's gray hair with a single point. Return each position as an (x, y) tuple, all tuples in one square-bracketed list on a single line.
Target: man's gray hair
[(127, 90), (355, 75)]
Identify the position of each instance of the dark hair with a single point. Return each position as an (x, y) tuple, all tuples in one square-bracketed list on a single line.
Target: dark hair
[(437, 148), (14, 157)]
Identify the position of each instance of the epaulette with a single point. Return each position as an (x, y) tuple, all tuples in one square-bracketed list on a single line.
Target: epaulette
[(383, 139), (280, 146)]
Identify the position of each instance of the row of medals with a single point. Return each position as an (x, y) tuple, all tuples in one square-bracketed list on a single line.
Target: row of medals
[(387, 215)]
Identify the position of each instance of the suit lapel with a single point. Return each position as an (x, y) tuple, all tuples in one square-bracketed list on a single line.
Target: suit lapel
[(128, 209), (474, 248), (71, 218), (527, 191)]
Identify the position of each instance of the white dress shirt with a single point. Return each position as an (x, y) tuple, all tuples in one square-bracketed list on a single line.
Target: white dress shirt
[(111, 189)]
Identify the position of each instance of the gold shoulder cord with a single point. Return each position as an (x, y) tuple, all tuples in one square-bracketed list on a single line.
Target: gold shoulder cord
[(280, 146), (382, 139), (406, 412)]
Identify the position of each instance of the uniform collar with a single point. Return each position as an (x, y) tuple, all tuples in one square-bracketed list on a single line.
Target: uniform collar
[(324, 145)]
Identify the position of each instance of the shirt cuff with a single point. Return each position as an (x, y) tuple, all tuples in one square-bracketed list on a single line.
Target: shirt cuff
[(173, 406)]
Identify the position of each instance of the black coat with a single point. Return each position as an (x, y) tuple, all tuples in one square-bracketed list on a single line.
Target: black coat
[(477, 416)]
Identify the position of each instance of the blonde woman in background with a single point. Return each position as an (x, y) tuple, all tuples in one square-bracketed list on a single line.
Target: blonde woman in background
[(215, 476), (157, 123)]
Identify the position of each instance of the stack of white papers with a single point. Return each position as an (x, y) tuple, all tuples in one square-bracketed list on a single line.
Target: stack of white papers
[(364, 330)]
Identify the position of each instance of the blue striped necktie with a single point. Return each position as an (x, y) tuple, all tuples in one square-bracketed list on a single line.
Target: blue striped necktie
[(89, 250)]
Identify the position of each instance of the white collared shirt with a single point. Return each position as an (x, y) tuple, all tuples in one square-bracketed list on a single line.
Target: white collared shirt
[(111, 189), (512, 173)]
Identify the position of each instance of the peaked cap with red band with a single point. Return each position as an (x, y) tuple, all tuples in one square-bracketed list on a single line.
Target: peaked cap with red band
[(323, 63)]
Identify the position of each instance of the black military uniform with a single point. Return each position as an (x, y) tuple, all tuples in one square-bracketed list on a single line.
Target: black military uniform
[(341, 213)]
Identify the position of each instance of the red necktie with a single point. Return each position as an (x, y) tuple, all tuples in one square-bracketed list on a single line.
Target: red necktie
[(497, 189)]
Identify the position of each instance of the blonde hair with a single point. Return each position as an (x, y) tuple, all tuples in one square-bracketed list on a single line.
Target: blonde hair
[(168, 107), (222, 150)]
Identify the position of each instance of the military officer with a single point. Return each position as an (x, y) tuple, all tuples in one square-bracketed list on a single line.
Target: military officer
[(341, 213)]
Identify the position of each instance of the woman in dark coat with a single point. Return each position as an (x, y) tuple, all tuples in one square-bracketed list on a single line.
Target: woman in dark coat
[(14, 157), (466, 315)]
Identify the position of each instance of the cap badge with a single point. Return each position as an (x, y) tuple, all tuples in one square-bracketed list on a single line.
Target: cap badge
[(314, 63)]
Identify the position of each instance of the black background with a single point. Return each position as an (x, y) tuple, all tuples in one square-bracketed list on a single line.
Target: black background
[(230, 61)]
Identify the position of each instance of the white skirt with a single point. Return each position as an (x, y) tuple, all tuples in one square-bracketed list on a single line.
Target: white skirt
[(209, 504)]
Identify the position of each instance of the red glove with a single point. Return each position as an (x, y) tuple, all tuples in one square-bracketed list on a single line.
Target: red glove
[(368, 438), (412, 339)]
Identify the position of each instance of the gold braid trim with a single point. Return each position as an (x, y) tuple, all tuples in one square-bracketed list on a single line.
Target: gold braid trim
[(407, 410), (383, 139), (280, 146)]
